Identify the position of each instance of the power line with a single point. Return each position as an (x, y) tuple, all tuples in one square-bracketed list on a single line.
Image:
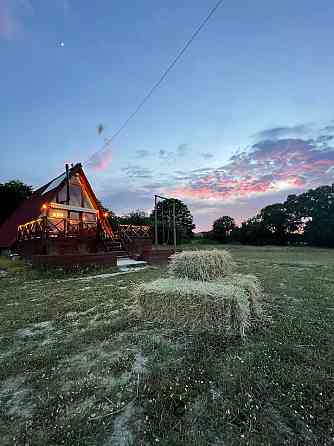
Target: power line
[(164, 75)]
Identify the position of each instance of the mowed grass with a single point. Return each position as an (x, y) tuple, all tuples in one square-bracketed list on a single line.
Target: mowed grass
[(78, 366)]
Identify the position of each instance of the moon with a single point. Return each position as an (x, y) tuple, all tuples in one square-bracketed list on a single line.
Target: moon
[(62, 44)]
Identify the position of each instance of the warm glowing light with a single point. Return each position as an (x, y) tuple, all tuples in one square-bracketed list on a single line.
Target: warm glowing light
[(106, 214), (44, 206), (57, 215)]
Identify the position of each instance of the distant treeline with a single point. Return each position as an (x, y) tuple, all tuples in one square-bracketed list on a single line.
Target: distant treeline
[(307, 218), (183, 221)]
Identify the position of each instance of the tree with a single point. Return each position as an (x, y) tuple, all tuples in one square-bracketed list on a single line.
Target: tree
[(319, 216), (136, 217), (305, 218), (252, 232), (183, 217), (278, 222), (222, 228), (12, 194)]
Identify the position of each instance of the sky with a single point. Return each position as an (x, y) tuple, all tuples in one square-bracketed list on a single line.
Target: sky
[(243, 120)]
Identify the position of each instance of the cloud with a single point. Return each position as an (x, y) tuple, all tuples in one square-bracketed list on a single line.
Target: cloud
[(12, 14), (182, 150), (100, 159), (262, 173), (268, 167), (123, 199), (207, 155), (283, 132), (8, 24), (137, 172), (142, 153)]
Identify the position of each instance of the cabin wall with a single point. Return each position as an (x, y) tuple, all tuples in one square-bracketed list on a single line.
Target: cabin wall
[(78, 195), (69, 260), (29, 248)]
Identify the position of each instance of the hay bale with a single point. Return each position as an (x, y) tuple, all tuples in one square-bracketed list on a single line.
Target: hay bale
[(202, 265), (251, 285), (196, 305)]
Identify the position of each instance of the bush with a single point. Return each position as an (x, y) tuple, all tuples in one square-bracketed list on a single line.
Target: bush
[(201, 265), (221, 307)]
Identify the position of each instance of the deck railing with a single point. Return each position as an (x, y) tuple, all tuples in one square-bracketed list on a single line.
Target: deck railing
[(134, 231), (46, 227), (50, 227)]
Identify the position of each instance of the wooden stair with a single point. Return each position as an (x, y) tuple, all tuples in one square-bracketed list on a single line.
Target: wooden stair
[(115, 246)]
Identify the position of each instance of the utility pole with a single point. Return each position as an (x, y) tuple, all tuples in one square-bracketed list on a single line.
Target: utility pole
[(174, 225), (163, 224), (155, 221)]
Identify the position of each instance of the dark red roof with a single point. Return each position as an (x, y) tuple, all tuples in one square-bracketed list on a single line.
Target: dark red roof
[(29, 210)]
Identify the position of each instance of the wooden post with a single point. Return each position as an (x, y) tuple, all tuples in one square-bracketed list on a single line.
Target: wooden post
[(44, 227), (155, 222), (67, 194), (174, 225), (67, 185), (163, 222)]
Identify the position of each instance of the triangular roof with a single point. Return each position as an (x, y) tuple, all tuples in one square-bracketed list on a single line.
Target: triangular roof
[(30, 208)]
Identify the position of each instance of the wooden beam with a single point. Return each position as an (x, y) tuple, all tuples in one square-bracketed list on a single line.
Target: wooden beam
[(72, 208)]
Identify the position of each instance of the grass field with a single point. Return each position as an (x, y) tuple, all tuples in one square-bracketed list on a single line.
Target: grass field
[(77, 366)]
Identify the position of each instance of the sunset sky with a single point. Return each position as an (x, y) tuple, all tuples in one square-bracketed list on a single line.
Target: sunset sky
[(244, 119)]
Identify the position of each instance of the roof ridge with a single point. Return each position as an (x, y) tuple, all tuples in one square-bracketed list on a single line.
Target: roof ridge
[(42, 189)]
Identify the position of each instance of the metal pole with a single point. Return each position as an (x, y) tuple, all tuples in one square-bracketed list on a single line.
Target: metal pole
[(155, 222), (67, 185), (174, 224), (163, 222), (67, 196)]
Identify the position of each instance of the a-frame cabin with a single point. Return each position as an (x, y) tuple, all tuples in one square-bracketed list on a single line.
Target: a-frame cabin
[(63, 223)]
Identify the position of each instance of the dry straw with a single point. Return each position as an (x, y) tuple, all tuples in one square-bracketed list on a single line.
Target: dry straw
[(202, 294), (251, 285), (202, 265), (221, 307)]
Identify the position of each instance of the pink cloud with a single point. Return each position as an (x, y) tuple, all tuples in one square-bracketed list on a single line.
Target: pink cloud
[(8, 25), (269, 167), (12, 14), (100, 160)]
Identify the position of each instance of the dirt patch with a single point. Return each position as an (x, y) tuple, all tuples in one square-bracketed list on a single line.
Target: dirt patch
[(15, 398)]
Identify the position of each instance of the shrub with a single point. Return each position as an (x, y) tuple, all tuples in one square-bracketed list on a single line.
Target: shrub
[(221, 307), (201, 265)]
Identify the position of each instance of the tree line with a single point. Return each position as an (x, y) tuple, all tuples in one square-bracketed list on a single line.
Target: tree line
[(165, 223), (14, 192), (307, 218)]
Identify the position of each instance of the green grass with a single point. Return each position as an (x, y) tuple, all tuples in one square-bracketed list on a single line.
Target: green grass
[(78, 367), (10, 265)]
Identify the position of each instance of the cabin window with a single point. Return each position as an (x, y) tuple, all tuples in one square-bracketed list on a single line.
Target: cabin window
[(56, 213), (74, 216), (86, 201), (88, 217), (78, 196)]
